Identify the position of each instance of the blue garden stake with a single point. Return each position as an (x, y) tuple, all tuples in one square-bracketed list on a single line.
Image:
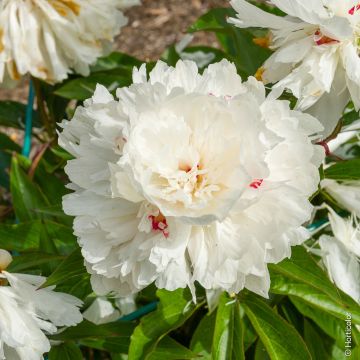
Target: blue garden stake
[(140, 312), (28, 121)]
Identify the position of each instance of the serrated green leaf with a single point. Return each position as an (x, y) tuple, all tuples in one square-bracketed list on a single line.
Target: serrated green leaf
[(280, 339)]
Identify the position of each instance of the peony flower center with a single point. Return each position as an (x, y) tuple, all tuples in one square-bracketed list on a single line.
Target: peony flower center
[(321, 39), (159, 223), (193, 181)]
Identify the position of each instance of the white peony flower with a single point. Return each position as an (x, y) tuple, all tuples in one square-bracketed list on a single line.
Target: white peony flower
[(347, 194), (27, 312), (101, 311), (341, 254), (50, 38), (317, 52), (188, 177)]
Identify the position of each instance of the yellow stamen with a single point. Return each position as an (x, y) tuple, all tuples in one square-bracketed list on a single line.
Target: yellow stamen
[(2, 46), (259, 74), (63, 6), (264, 42), (13, 71)]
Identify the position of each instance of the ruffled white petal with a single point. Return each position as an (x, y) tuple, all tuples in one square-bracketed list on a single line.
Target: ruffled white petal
[(27, 312)]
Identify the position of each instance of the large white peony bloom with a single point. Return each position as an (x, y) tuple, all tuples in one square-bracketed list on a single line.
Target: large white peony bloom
[(27, 312), (317, 52), (186, 178), (50, 38)]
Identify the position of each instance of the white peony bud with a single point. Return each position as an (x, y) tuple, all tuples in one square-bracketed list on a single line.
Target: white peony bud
[(5, 259)]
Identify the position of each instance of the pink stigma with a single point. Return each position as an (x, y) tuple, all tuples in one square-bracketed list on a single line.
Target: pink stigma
[(256, 183), (353, 9), (159, 223)]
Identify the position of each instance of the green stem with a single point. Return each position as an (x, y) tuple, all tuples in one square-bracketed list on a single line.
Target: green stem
[(41, 105)]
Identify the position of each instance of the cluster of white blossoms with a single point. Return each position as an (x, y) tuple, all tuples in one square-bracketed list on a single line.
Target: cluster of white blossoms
[(189, 178), (317, 52), (50, 38), (28, 312)]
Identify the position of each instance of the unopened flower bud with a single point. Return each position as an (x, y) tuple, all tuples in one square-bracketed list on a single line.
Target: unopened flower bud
[(5, 259)]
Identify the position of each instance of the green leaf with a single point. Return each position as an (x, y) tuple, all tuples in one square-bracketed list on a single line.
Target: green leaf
[(116, 60), (20, 237), (344, 170), (260, 351), (71, 267), (228, 342), (300, 276), (111, 344), (169, 349), (213, 20), (314, 297), (201, 342), (113, 336), (315, 342), (66, 351), (26, 195), (330, 325), (280, 339), (302, 267), (7, 144), (88, 330), (174, 309), (62, 236), (12, 114), (237, 43), (83, 88), (29, 261)]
